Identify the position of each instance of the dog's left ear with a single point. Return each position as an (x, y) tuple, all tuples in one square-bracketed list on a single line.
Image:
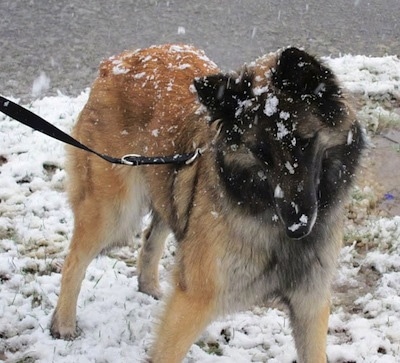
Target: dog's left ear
[(223, 94)]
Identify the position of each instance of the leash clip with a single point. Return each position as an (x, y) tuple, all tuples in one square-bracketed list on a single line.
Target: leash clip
[(124, 160), (198, 152)]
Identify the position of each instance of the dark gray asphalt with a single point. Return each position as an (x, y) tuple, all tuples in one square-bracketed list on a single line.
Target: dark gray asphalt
[(67, 39)]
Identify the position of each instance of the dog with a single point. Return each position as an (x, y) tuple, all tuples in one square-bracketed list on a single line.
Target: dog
[(257, 217)]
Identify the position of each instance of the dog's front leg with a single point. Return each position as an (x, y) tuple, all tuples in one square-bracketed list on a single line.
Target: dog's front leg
[(189, 309), (310, 328)]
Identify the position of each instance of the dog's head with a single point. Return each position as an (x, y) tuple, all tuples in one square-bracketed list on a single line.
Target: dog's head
[(288, 143)]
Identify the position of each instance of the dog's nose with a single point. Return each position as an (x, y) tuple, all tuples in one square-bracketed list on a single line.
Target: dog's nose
[(298, 230)]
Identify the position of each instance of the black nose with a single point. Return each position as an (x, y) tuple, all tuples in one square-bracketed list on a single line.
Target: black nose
[(298, 222)]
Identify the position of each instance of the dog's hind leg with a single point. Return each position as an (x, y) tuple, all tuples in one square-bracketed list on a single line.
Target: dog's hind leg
[(310, 329), (106, 208), (85, 245), (150, 255)]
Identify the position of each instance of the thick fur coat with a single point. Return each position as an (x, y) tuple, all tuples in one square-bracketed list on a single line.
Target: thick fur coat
[(257, 218)]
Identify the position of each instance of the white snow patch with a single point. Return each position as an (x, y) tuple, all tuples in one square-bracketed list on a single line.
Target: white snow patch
[(282, 131), (284, 115), (294, 227), (184, 66), (146, 59), (368, 76), (303, 219), (119, 67), (303, 222), (139, 75), (271, 104)]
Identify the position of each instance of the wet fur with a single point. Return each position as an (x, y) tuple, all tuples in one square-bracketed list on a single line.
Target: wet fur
[(257, 218)]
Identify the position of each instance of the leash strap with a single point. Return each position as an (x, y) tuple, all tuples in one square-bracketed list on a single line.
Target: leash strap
[(37, 123)]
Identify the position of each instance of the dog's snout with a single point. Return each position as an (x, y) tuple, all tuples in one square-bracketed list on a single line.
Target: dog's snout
[(298, 219)]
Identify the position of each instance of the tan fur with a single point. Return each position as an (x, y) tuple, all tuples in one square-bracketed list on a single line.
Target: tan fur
[(143, 102)]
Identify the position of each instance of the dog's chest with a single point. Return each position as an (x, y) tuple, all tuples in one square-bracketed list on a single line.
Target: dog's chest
[(261, 265)]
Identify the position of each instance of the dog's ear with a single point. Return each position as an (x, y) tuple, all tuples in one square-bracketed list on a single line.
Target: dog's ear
[(299, 73), (304, 77), (223, 94)]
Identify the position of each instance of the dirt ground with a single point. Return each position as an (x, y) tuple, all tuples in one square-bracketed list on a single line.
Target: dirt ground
[(385, 165)]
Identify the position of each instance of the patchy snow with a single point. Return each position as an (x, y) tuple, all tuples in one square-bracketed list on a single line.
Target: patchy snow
[(119, 67), (282, 131), (368, 75), (303, 222), (139, 75), (294, 227), (284, 115), (303, 219), (117, 321)]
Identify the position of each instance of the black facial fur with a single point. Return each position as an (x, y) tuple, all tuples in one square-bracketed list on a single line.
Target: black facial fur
[(258, 150)]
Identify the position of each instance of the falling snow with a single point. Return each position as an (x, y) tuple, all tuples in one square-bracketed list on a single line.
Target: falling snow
[(278, 192)]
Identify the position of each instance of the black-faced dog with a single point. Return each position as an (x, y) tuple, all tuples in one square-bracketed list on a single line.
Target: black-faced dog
[(257, 218)]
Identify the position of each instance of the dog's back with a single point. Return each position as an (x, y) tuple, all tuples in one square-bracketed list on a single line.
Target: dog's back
[(142, 103)]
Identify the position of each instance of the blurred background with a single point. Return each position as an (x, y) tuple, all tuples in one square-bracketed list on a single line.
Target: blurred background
[(50, 45)]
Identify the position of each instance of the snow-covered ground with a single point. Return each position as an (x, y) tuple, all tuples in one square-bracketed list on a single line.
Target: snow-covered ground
[(116, 320)]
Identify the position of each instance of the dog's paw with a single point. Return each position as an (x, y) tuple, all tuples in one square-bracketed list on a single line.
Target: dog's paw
[(150, 289), (62, 331)]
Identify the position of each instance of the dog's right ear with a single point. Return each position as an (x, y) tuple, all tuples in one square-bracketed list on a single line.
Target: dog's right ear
[(222, 94), (299, 73)]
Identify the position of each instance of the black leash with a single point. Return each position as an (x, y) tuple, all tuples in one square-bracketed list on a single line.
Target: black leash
[(37, 123)]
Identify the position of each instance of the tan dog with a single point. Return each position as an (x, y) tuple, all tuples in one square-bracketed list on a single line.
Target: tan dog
[(257, 217)]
